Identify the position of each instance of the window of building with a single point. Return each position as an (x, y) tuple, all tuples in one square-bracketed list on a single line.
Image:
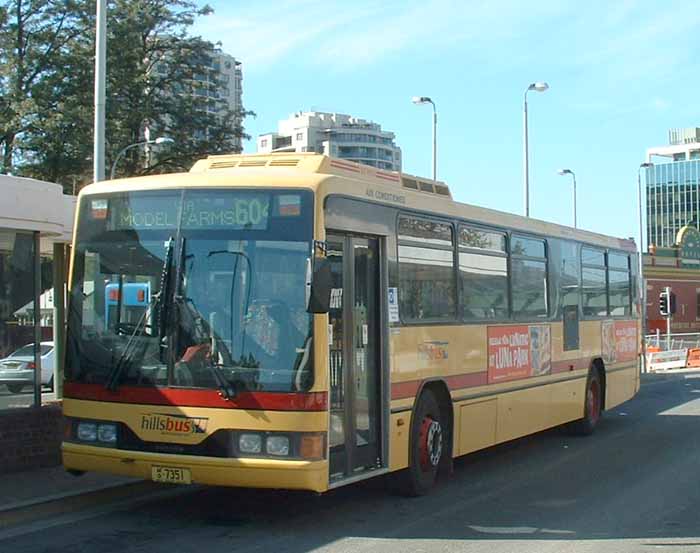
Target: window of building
[(300, 136), (263, 143), (593, 284), (426, 270), (529, 277), (483, 273)]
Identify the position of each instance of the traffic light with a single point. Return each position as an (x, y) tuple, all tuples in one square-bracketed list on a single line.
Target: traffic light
[(672, 303), (663, 303), (667, 302)]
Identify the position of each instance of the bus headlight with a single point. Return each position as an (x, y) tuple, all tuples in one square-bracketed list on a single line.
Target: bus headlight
[(277, 445), (107, 433), (87, 431), (306, 446), (250, 443)]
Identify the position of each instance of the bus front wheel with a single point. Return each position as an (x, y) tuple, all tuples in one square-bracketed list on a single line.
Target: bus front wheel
[(427, 446)]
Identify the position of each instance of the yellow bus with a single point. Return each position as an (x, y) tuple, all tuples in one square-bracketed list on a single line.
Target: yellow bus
[(303, 322)]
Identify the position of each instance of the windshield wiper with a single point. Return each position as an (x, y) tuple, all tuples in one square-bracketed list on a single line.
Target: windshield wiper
[(156, 300), (199, 329), (164, 294), (115, 374)]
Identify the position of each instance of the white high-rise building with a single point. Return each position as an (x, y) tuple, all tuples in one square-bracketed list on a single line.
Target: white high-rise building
[(220, 80), (337, 135)]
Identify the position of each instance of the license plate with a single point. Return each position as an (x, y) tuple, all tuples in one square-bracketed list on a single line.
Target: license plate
[(171, 475)]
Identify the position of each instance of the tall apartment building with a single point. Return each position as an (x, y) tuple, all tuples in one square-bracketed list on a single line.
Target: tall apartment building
[(221, 80), (337, 135), (673, 186)]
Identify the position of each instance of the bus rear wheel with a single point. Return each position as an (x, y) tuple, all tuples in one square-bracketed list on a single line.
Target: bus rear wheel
[(593, 406), (427, 447)]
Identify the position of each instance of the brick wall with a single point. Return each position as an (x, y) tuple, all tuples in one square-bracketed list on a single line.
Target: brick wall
[(30, 438)]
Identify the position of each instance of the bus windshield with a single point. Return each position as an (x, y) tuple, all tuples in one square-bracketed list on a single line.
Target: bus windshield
[(199, 288)]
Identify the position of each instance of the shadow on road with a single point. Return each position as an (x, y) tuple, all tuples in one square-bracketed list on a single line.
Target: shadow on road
[(625, 482)]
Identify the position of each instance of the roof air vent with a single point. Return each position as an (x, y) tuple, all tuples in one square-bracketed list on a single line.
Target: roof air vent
[(426, 186), (253, 163), (442, 190), (284, 162), (223, 164)]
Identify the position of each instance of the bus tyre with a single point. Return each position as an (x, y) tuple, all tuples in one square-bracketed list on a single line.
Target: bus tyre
[(593, 406), (427, 446)]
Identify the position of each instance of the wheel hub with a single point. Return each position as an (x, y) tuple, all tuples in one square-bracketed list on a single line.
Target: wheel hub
[(430, 443), (593, 402)]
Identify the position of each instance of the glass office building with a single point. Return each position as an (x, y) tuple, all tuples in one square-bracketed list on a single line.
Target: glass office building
[(673, 186), (673, 200)]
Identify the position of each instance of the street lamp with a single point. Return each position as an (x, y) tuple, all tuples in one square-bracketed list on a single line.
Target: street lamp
[(642, 287), (538, 87), (425, 100), (573, 176), (159, 140)]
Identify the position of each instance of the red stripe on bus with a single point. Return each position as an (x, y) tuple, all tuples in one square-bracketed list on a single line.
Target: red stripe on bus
[(468, 380), (403, 390), (271, 401), (352, 168), (387, 176)]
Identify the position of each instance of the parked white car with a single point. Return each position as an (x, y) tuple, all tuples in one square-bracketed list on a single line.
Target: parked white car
[(17, 370)]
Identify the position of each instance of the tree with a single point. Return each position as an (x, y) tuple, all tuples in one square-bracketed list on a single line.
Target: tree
[(154, 82), (34, 37)]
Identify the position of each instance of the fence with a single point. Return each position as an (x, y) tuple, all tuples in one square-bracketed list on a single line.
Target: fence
[(672, 342), (672, 351)]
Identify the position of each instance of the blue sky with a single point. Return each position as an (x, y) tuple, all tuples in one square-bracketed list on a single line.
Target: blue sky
[(621, 74)]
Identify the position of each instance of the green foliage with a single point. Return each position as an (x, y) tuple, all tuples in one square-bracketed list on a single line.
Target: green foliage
[(159, 81)]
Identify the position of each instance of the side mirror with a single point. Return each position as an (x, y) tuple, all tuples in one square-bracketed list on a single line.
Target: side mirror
[(319, 287)]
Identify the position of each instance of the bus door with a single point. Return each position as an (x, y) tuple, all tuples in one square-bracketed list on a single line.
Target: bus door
[(354, 353)]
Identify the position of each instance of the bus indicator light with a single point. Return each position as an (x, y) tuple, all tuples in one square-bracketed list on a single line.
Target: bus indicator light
[(311, 447)]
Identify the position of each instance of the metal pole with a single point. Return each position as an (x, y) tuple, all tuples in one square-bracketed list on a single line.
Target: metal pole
[(59, 317), (434, 142), (37, 319), (668, 319), (100, 77), (574, 177), (640, 278), (526, 178)]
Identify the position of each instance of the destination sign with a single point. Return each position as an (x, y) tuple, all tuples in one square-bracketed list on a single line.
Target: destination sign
[(225, 211)]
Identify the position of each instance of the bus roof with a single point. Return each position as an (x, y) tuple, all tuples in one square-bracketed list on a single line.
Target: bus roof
[(340, 176)]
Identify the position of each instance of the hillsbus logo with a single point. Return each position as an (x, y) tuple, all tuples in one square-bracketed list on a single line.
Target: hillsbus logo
[(173, 424)]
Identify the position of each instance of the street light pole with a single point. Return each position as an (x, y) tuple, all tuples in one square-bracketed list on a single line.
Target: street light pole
[(642, 289), (159, 140), (427, 100), (100, 79), (539, 87), (573, 176)]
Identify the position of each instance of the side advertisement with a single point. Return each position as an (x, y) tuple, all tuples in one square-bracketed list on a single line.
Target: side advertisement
[(517, 352), (619, 341)]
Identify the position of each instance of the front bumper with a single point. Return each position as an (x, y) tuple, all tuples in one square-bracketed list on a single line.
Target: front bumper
[(248, 473)]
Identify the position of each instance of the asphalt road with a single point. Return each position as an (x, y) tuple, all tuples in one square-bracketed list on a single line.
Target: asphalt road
[(632, 487)]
